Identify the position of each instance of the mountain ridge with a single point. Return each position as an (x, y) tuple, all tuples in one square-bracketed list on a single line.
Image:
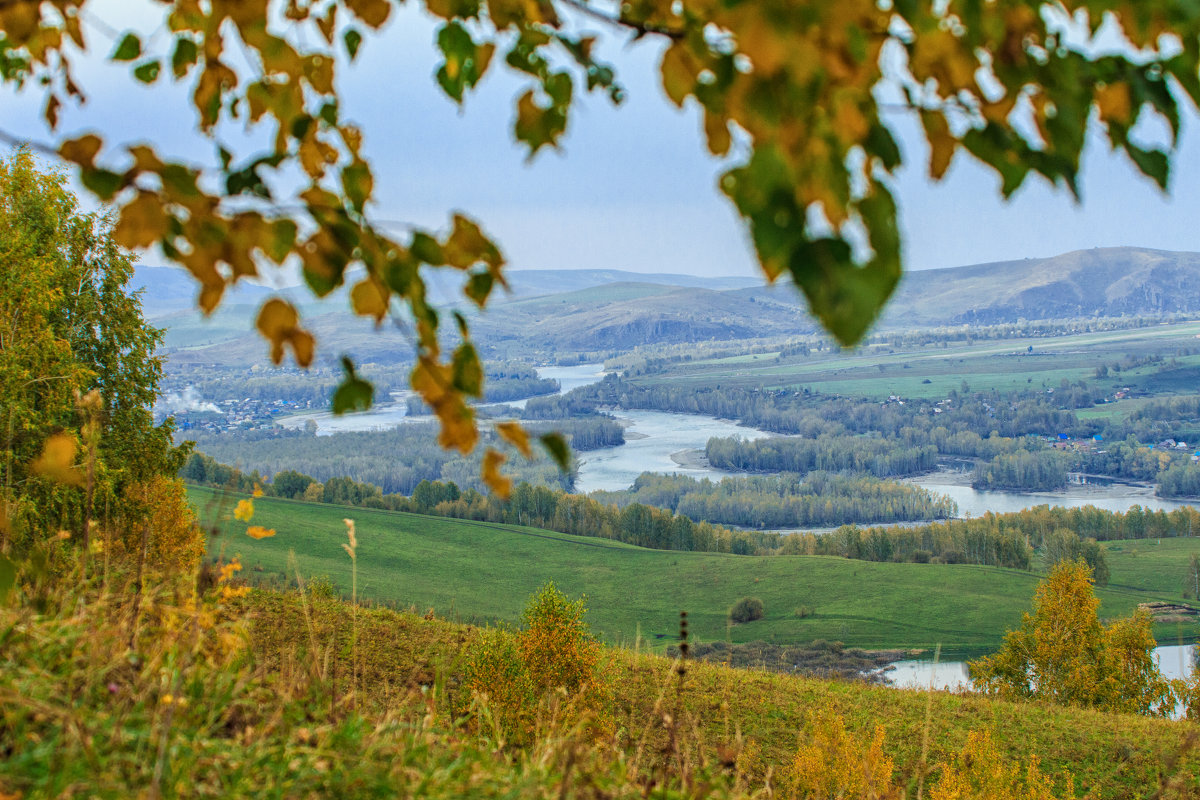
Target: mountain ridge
[(638, 309)]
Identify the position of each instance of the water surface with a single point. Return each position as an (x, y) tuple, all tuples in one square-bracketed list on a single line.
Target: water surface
[(1175, 661)]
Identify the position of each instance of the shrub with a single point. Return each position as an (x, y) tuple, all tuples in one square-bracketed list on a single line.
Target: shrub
[(553, 660), (163, 524), (747, 609), (556, 645), (500, 687)]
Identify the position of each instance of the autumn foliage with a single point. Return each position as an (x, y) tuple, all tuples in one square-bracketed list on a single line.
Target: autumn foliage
[(162, 522), (551, 666), (1063, 653)]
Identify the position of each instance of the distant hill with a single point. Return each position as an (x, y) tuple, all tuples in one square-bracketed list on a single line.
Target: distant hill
[(526, 282), (1104, 282), (170, 290), (605, 310)]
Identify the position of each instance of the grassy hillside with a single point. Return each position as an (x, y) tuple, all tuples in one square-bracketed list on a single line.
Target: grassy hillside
[(1151, 565), (758, 718), (483, 572)]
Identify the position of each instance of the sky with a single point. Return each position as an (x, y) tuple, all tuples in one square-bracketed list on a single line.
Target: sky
[(632, 187)]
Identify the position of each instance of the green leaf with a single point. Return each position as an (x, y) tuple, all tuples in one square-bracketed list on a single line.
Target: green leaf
[(466, 371), (352, 39), (184, 56), (354, 394), (147, 71), (129, 48), (427, 249), (1152, 163), (465, 61), (556, 446), (357, 183), (101, 182), (479, 287)]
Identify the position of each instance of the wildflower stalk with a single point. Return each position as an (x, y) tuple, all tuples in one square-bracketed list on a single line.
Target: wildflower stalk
[(352, 549)]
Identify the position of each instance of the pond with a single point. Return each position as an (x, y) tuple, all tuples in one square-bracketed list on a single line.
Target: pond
[(1175, 661)]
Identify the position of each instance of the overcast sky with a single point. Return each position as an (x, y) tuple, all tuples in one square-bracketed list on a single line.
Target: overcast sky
[(633, 187)]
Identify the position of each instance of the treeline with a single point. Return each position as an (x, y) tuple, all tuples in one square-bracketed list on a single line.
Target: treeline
[(396, 459), (584, 433), (875, 456), (1039, 472), (1045, 469), (1181, 480), (784, 501), (1003, 540), (533, 506), (988, 415)]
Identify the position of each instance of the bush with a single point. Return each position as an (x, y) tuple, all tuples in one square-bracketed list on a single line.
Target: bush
[(747, 609), (554, 659)]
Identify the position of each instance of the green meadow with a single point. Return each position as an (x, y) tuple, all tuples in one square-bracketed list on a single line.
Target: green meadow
[(934, 370), (484, 573)]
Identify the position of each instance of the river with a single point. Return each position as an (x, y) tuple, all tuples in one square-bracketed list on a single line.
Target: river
[(1175, 661), (665, 442), (1109, 496), (394, 412), (651, 439)]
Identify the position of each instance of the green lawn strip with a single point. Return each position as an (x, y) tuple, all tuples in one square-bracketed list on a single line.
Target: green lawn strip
[(483, 572)]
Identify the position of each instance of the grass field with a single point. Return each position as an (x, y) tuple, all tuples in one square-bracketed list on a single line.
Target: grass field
[(1151, 565), (482, 572), (933, 370)]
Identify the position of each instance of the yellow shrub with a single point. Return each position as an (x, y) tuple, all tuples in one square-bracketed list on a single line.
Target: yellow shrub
[(981, 772), (835, 764), (552, 665), (167, 524)]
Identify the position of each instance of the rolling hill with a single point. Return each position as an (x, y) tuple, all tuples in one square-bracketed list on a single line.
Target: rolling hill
[(484, 572), (609, 310)]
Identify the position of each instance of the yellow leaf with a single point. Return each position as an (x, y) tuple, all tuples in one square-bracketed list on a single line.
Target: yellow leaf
[(259, 532), (678, 73), (244, 510), (517, 436), (303, 345), (468, 245), (941, 55), (57, 461), (278, 322), (82, 150), (370, 299), (716, 128), (143, 221), (1114, 102), (372, 12), (767, 45), (258, 492), (434, 382), (500, 484), (850, 122), (942, 143)]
